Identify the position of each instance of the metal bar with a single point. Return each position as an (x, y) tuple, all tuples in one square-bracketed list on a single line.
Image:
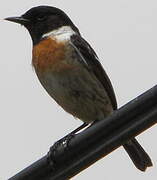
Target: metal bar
[(64, 161)]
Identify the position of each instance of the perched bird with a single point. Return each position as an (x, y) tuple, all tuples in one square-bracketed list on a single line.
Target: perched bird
[(70, 71)]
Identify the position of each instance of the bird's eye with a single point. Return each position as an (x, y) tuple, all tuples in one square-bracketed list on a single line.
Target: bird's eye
[(41, 18)]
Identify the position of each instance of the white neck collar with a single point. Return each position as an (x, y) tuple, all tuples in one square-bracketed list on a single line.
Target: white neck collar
[(61, 34)]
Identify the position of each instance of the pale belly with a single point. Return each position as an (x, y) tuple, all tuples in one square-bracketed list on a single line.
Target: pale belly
[(78, 92)]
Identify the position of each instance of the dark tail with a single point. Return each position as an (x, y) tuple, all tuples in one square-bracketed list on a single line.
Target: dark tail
[(138, 155)]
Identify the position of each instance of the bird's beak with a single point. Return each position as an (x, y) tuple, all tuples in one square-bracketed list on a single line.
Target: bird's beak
[(19, 20)]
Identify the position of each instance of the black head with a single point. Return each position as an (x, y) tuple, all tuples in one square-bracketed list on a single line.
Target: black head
[(43, 19)]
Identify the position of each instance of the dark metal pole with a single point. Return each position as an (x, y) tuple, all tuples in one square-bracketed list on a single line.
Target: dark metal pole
[(63, 162)]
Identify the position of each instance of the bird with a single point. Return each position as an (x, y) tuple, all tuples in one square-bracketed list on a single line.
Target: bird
[(71, 73)]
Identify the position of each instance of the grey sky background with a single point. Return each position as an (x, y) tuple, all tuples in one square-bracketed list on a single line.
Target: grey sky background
[(124, 35)]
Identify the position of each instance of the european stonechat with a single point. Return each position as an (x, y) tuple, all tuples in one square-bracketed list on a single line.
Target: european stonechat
[(70, 71)]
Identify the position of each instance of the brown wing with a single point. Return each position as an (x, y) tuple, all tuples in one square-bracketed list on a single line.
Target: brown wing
[(90, 58)]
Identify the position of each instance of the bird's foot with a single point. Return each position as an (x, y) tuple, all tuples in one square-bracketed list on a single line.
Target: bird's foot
[(60, 146), (66, 140), (62, 143)]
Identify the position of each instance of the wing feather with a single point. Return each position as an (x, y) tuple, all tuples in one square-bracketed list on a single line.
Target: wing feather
[(90, 59)]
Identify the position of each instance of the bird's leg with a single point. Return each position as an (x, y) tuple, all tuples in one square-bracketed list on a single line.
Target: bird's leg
[(68, 137), (79, 128), (65, 141)]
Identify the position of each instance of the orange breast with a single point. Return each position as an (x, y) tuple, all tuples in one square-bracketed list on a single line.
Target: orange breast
[(49, 55)]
